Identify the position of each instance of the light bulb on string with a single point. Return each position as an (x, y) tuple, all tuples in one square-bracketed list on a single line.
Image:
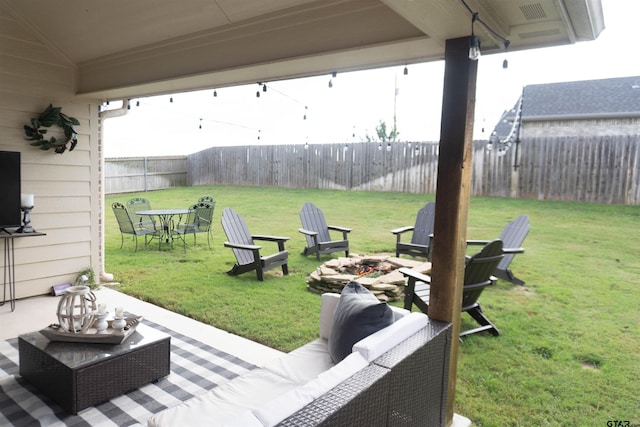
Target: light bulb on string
[(264, 87), (171, 99), (474, 42), (388, 146), (406, 70), (330, 83), (200, 125), (215, 93), (138, 103), (505, 63), (128, 104)]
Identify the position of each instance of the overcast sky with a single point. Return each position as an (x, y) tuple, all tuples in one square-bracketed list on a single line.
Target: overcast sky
[(358, 101)]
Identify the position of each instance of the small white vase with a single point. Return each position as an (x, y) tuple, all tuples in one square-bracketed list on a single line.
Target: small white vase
[(101, 322), (118, 324)]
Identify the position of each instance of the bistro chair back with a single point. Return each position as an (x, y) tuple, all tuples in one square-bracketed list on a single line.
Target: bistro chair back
[(126, 225), (198, 220), (140, 221)]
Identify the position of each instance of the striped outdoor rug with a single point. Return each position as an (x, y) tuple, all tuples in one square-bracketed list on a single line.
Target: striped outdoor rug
[(195, 368)]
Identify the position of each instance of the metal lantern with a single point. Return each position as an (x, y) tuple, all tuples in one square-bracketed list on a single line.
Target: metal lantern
[(76, 309)]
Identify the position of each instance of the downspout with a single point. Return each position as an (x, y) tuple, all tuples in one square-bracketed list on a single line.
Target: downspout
[(103, 115)]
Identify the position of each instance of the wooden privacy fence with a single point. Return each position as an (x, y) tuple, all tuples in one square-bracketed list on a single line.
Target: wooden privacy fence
[(134, 174), (593, 169), (355, 166)]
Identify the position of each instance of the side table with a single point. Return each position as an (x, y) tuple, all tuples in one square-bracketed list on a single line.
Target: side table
[(9, 263), (78, 375)]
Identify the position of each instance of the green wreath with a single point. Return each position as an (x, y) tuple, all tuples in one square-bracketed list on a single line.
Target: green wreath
[(49, 117)]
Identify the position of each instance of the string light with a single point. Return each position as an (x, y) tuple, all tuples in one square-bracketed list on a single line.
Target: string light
[(505, 63), (476, 17), (474, 43), (171, 99), (200, 126), (406, 70), (215, 93)]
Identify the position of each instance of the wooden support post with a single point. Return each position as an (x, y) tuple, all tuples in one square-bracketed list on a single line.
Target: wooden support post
[(452, 196)]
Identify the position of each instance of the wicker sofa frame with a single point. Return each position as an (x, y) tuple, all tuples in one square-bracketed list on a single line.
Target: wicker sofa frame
[(406, 386)]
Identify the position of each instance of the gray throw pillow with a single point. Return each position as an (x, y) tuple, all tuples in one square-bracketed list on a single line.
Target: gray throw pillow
[(358, 314)]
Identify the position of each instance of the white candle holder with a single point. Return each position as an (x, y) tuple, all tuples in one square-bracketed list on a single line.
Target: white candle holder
[(26, 219), (26, 204), (101, 322)]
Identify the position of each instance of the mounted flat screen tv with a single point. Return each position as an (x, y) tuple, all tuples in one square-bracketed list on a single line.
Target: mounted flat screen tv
[(10, 189)]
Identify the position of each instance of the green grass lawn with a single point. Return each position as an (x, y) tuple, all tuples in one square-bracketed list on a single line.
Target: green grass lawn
[(569, 353)]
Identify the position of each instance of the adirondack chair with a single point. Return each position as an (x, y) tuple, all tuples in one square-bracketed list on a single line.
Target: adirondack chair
[(197, 221), (512, 237), (477, 276), (127, 226), (316, 232), (420, 244), (247, 253)]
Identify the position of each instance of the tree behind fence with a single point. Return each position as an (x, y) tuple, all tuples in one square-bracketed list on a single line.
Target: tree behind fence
[(592, 169)]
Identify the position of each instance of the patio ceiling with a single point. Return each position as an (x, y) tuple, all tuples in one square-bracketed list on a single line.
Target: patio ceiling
[(124, 48)]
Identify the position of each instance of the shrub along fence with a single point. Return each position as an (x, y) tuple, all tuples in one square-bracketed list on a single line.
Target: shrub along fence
[(593, 169)]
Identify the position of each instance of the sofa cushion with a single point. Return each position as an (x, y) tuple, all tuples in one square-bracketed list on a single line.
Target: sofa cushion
[(378, 343), (222, 405), (357, 315), (304, 363), (292, 401)]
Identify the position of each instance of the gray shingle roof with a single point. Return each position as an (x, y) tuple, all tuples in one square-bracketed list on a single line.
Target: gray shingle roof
[(583, 98), (605, 98)]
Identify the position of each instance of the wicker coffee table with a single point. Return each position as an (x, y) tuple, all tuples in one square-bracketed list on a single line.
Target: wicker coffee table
[(79, 375)]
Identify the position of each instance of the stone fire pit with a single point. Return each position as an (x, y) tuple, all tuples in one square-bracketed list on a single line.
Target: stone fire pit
[(378, 273)]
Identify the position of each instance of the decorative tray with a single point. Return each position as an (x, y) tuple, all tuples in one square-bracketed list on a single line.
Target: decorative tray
[(108, 336)]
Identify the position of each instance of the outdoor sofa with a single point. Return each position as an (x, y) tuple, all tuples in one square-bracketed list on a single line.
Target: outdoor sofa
[(396, 376)]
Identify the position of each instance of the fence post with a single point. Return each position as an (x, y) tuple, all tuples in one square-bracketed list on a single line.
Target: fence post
[(145, 174)]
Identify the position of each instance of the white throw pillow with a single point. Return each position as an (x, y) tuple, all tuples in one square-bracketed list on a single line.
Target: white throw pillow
[(378, 343)]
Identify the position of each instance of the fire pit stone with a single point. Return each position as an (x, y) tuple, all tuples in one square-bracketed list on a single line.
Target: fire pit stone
[(376, 272)]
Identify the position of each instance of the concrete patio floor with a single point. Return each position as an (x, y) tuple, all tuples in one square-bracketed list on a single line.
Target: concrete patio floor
[(35, 313)]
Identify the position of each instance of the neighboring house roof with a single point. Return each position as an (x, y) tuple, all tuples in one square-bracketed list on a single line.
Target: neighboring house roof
[(588, 99)]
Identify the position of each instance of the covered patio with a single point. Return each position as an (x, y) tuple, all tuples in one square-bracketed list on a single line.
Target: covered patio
[(75, 57)]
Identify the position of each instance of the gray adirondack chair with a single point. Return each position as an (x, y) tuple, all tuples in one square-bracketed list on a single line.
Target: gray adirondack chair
[(316, 232), (512, 236), (422, 234), (247, 253), (478, 274)]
